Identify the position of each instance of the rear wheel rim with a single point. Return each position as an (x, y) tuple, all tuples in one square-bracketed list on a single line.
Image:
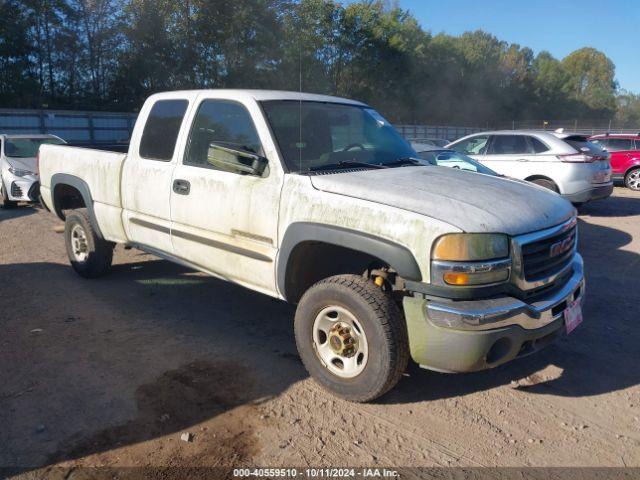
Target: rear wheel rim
[(633, 181), (79, 246), (340, 342)]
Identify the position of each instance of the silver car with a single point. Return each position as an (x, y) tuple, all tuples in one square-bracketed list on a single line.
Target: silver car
[(18, 169), (563, 162)]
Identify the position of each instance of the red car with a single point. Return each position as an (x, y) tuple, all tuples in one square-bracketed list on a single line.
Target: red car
[(625, 157)]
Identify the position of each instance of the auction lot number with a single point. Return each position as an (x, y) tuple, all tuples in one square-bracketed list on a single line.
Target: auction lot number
[(314, 473)]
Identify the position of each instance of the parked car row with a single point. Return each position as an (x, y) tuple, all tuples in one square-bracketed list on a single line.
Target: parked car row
[(572, 165), (501, 150), (565, 163)]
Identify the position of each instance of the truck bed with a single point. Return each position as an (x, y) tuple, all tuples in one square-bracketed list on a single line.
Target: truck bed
[(100, 170)]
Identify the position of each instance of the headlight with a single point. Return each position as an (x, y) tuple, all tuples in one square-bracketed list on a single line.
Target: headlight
[(20, 173), (461, 247), (470, 273), (470, 259)]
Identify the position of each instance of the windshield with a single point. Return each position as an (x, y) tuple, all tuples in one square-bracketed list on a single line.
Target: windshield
[(453, 159), (316, 135), (18, 147)]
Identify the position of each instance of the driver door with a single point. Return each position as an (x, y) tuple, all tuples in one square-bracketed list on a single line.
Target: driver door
[(225, 218)]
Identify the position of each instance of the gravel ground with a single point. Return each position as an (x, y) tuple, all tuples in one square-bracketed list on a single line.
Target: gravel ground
[(113, 371)]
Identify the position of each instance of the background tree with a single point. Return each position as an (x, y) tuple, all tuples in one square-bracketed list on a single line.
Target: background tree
[(112, 54), (591, 80)]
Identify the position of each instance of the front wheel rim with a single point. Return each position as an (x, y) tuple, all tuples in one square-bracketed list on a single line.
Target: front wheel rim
[(634, 180), (340, 342), (79, 246)]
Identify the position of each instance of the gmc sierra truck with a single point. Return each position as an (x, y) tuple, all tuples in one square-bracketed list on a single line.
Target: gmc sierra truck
[(318, 201)]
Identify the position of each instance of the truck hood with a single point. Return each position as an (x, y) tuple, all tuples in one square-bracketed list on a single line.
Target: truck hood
[(22, 163), (469, 201)]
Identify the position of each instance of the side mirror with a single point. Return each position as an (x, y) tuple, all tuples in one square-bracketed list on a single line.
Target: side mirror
[(235, 160)]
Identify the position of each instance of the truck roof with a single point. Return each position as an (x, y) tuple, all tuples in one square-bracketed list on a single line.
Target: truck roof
[(264, 95)]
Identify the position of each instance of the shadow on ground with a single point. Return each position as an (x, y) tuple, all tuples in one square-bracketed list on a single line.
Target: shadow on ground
[(17, 212), (622, 205), (188, 348)]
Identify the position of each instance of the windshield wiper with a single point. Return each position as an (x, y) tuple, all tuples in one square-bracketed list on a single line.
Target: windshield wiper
[(345, 164), (407, 161)]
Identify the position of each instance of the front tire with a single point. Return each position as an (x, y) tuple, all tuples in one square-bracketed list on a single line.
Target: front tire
[(89, 254), (352, 337), (632, 179)]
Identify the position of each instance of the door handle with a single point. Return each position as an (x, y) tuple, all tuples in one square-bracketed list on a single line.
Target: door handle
[(181, 187)]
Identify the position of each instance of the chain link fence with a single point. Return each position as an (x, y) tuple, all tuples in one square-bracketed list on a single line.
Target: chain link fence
[(77, 128), (113, 129)]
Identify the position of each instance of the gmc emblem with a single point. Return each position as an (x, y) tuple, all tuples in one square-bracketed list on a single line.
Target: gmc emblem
[(561, 247)]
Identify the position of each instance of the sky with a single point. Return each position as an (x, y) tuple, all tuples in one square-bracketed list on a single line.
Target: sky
[(559, 27)]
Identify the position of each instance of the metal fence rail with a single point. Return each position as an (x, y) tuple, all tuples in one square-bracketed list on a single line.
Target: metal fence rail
[(585, 127), (111, 128), (80, 128), (416, 132)]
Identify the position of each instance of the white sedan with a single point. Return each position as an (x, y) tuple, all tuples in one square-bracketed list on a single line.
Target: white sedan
[(19, 180)]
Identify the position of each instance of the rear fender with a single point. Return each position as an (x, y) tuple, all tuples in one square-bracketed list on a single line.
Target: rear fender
[(65, 179)]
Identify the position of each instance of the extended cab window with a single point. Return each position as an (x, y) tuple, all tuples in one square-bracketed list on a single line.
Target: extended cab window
[(510, 145), (161, 130), (226, 124), (472, 146)]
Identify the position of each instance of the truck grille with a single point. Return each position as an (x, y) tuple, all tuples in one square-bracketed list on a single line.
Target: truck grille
[(548, 256)]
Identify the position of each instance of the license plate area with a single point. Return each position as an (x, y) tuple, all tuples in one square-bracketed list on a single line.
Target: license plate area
[(572, 315)]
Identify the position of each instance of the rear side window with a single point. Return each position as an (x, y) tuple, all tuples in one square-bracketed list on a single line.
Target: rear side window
[(583, 145), (510, 145), (161, 130), (619, 144), (538, 146)]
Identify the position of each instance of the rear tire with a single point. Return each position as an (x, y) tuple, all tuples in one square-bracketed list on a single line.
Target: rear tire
[(367, 358), (4, 200), (89, 254), (632, 179), (549, 184)]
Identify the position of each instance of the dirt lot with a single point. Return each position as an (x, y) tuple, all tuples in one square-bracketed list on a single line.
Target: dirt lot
[(113, 371)]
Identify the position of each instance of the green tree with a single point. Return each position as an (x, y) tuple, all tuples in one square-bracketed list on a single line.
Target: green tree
[(18, 84), (628, 110), (591, 80)]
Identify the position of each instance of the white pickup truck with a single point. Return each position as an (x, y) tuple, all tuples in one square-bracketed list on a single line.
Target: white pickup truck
[(318, 201)]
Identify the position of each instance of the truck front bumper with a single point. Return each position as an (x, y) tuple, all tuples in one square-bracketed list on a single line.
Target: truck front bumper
[(465, 336)]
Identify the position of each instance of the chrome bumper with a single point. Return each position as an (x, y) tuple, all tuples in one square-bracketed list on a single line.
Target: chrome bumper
[(506, 311)]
